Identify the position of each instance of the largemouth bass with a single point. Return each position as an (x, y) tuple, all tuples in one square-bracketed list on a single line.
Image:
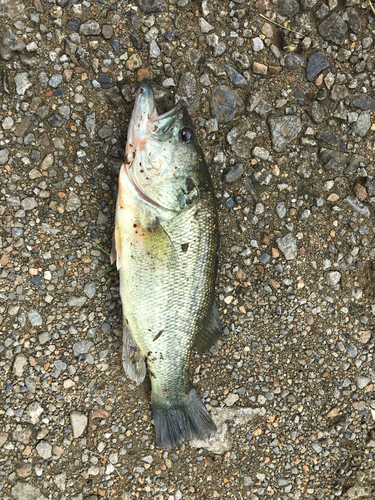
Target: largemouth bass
[(165, 248)]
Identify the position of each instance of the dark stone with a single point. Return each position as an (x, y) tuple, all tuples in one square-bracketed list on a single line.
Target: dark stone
[(371, 188), (316, 112), (288, 8), (151, 6), (294, 61), (170, 36), (115, 46), (235, 77), (136, 40), (35, 154), (333, 28), (73, 24), (62, 3), (356, 161), (104, 78), (362, 101), (225, 103), (55, 120), (329, 137), (315, 64), (58, 92), (334, 160), (233, 173), (264, 258), (354, 23), (36, 280)]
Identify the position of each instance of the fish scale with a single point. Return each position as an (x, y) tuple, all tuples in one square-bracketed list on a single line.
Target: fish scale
[(165, 246)]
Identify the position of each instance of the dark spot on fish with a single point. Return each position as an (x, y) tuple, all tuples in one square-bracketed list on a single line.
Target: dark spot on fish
[(196, 213), (158, 335), (189, 185), (134, 225), (165, 390), (161, 356), (149, 353), (151, 374), (141, 171), (184, 247), (149, 229)]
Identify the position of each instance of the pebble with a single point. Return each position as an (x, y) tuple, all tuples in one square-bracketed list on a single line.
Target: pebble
[(19, 365), (204, 26), (283, 130), (55, 80), (362, 101), (288, 246), (357, 206), (22, 83), (233, 173), (78, 422), (333, 278), (73, 202), (90, 28), (90, 290), (27, 491), (235, 77), (44, 449), (316, 63), (362, 125), (280, 209), (82, 347), (333, 29), (225, 104), (35, 318)]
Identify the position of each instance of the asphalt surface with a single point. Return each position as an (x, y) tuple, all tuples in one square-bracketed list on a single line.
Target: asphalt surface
[(282, 94)]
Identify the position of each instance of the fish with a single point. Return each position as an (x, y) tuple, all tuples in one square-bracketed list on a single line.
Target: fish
[(165, 246)]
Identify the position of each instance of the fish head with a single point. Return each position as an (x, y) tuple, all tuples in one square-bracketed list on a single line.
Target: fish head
[(163, 158)]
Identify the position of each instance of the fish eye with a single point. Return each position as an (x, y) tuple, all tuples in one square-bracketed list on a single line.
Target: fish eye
[(186, 135)]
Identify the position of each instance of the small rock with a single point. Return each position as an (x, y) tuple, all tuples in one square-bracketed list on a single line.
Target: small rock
[(78, 422), (280, 209), (44, 449), (4, 156), (19, 364), (204, 26), (259, 69), (316, 63), (55, 80), (363, 102), (225, 104), (233, 173), (134, 62), (333, 29), (294, 61), (35, 318), (339, 92), (363, 123), (333, 278), (357, 206), (89, 290), (34, 410), (283, 130), (187, 91), (151, 6), (24, 471), (55, 120), (288, 246), (316, 112), (235, 77), (82, 347), (231, 399), (73, 203), (27, 491), (105, 132), (73, 24), (107, 31), (90, 28), (257, 44)]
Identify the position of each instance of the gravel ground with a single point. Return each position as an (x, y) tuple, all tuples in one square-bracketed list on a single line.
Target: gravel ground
[(282, 94)]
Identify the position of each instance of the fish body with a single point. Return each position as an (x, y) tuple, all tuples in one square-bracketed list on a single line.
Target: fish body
[(165, 248)]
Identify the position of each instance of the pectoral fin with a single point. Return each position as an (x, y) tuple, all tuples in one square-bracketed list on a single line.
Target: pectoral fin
[(211, 331), (132, 358)]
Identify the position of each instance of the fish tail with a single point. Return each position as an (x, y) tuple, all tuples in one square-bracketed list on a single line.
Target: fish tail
[(183, 418)]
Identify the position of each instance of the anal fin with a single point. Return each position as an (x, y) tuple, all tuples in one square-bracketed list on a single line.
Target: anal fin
[(211, 331), (132, 358)]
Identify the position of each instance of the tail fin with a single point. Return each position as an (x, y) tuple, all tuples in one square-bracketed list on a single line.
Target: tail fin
[(185, 418)]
